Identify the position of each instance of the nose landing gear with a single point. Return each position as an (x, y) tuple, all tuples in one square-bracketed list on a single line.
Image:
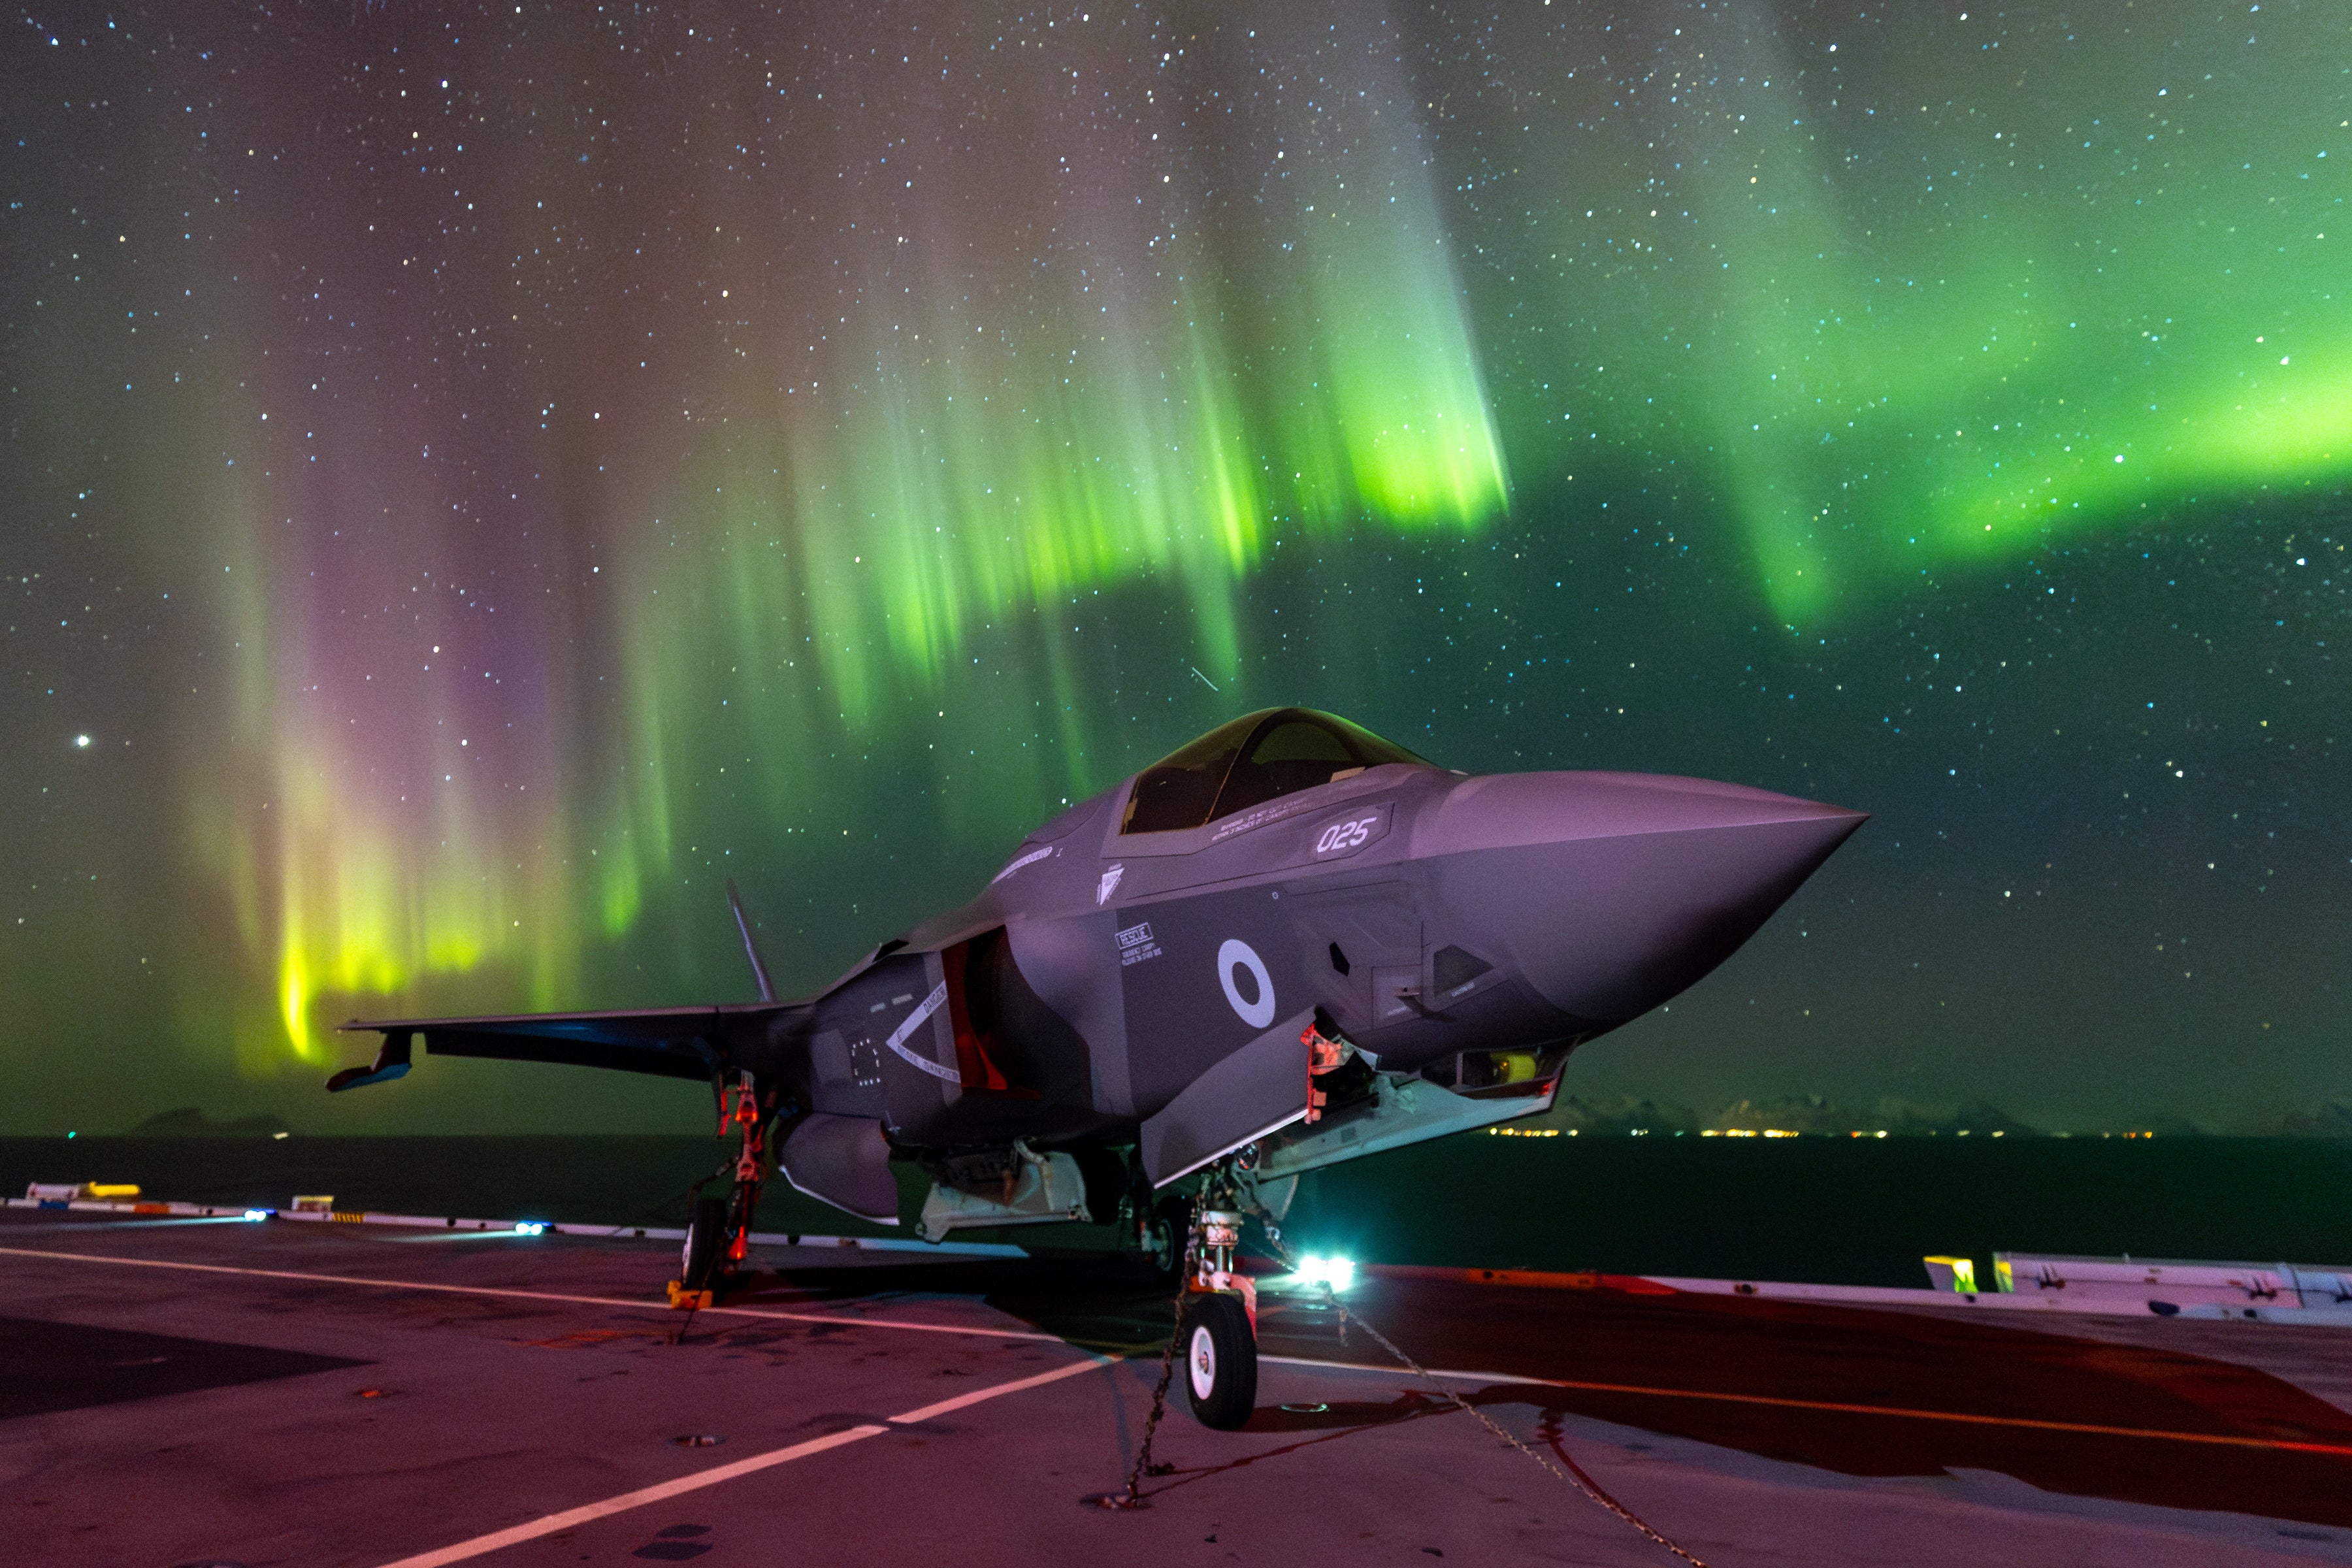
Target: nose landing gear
[(1216, 1312), (1217, 1334)]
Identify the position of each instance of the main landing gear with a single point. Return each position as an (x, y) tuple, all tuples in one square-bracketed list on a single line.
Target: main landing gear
[(719, 1230), (1164, 1232)]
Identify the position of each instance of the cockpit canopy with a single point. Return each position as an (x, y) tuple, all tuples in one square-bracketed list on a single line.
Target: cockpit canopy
[(1256, 758)]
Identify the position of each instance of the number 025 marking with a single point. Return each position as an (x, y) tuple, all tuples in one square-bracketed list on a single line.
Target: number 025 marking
[(1345, 835)]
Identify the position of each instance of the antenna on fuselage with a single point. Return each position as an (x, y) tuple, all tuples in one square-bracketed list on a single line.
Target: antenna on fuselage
[(750, 948)]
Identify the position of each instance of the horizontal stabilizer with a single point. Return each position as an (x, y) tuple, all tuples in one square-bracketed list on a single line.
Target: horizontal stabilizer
[(843, 1161), (670, 1042), (391, 1062), (1253, 1092)]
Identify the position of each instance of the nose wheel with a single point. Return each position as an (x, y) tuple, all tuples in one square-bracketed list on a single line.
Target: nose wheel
[(1220, 1352)]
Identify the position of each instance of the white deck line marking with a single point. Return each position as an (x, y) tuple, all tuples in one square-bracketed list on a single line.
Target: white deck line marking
[(550, 1524), (945, 1406), (841, 1319), (553, 1522)]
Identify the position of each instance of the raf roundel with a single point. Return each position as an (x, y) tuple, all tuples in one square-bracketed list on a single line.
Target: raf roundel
[(1238, 955)]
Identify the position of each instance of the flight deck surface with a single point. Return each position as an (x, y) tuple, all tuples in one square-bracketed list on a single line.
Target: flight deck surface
[(180, 1392)]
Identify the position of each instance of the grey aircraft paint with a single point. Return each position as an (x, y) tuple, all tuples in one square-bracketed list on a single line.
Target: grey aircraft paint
[(1140, 972)]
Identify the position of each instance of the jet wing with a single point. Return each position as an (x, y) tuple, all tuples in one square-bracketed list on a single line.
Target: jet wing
[(670, 1042)]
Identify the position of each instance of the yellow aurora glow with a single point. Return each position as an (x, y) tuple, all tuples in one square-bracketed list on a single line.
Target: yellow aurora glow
[(854, 500)]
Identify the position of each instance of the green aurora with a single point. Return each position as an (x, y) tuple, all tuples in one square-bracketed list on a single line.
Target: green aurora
[(569, 441)]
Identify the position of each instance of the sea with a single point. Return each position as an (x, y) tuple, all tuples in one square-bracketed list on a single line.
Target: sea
[(1820, 1209)]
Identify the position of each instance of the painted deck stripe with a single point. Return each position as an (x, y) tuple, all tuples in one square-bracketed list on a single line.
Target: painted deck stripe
[(839, 1319), (550, 1524), (944, 1406), (2026, 1423)]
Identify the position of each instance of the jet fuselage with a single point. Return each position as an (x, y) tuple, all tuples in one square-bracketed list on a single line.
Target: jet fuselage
[(1159, 965), (1467, 929)]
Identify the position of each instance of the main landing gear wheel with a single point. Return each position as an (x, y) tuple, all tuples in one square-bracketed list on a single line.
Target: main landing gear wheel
[(1220, 1361), (1165, 1232), (706, 1240), (719, 1230)]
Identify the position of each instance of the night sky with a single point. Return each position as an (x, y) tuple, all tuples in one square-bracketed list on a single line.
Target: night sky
[(477, 476)]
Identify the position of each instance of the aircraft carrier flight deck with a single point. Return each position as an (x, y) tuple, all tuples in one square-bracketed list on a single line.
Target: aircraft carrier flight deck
[(185, 1392)]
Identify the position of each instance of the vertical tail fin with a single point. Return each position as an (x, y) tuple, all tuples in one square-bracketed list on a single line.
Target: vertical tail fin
[(750, 948)]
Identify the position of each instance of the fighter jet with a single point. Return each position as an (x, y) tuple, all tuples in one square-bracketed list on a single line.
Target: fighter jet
[(1287, 944)]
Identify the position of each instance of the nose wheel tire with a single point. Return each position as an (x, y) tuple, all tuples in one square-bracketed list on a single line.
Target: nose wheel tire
[(705, 1237), (1220, 1356)]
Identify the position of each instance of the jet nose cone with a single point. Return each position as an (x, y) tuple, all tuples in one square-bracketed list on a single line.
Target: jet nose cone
[(1504, 810), (1611, 892)]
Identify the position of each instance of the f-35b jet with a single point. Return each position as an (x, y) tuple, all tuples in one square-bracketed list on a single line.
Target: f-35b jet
[(1287, 944)]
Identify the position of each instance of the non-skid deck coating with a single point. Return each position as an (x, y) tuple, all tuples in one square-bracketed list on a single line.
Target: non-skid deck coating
[(178, 1393)]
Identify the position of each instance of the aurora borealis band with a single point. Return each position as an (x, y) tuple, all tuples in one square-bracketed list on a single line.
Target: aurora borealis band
[(479, 477)]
